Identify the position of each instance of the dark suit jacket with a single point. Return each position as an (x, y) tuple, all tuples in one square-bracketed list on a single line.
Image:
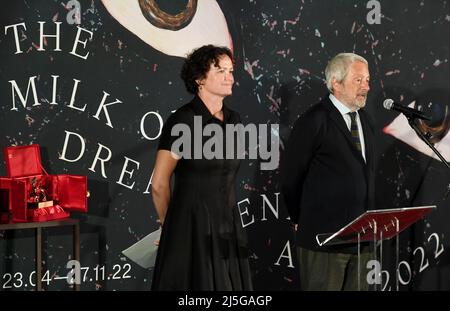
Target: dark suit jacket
[(324, 179)]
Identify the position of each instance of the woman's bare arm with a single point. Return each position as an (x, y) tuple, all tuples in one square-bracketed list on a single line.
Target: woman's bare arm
[(165, 164)]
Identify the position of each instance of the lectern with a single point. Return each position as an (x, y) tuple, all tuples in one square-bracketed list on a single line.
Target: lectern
[(374, 226)]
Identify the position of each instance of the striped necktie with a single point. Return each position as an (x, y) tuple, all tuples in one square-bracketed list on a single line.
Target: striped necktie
[(354, 130)]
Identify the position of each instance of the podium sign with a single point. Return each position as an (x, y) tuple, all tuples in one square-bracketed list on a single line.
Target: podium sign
[(375, 225)]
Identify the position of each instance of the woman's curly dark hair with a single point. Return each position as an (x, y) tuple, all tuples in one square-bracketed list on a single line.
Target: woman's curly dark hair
[(198, 63)]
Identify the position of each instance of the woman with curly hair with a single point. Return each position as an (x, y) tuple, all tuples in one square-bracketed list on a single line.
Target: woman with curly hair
[(203, 245)]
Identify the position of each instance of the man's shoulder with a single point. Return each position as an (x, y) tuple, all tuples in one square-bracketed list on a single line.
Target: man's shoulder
[(318, 111)]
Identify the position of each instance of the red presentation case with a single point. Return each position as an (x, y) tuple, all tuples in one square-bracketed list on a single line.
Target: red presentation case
[(24, 171)]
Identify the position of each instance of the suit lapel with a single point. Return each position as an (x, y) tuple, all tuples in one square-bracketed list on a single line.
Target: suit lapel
[(367, 136)]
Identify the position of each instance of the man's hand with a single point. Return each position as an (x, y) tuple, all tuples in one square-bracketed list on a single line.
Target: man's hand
[(294, 226)]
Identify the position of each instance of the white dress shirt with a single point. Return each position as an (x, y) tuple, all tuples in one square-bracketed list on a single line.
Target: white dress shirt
[(344, 110)]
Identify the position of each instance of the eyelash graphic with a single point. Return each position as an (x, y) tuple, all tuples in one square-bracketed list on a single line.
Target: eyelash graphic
[(437, 128), (202, 22)]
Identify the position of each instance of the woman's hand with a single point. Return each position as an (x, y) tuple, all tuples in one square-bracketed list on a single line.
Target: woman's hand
[(160, 226)]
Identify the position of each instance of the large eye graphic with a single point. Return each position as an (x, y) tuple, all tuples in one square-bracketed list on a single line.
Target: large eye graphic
[(435, 104), (161, 19), (201, 22)]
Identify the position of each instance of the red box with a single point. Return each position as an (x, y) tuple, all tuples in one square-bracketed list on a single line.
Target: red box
[(23, 166), (23, 161), (5, 198)]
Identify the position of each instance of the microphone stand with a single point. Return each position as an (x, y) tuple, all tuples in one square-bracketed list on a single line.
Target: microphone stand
[(426, 138)]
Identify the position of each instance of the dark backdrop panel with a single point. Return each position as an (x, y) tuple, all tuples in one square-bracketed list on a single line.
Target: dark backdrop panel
[(281, 49)]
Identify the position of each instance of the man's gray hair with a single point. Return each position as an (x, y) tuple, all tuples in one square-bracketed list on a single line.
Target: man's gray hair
[(339, 66)]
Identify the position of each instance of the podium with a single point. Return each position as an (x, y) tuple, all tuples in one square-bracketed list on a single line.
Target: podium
[(374, 226)]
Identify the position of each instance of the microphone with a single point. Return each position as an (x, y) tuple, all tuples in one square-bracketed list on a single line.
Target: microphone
[(389, 104)]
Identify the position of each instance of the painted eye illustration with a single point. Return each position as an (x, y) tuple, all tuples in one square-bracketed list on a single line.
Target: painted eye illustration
[(201, 22), (434, 103)]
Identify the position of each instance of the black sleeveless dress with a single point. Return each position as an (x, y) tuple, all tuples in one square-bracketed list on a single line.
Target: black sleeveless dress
[(203, 245)]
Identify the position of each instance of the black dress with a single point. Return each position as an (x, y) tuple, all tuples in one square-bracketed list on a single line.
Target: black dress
[(203, 245)]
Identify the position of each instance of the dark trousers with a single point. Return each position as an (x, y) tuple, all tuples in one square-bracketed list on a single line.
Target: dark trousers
[(324, 271)]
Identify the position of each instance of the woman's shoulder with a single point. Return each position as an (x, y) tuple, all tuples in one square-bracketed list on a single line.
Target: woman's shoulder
[(182, 115), (234, 116)]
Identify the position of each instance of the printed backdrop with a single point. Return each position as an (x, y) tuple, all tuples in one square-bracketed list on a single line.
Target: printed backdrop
[(94, 98)]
